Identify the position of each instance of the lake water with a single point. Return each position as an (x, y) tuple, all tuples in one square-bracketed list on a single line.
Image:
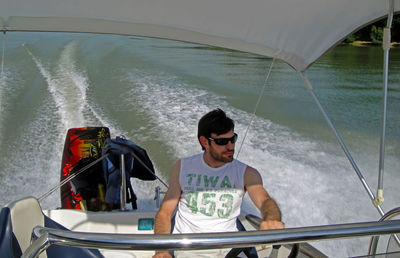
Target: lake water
[(154, 91)]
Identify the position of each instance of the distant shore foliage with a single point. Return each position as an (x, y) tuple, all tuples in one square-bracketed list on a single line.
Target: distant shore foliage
[(373, 33)]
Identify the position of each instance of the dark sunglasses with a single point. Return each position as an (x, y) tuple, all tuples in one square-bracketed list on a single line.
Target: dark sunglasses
[(224, 141)]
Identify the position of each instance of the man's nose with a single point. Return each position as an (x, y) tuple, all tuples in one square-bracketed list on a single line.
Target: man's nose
[(230, 145)]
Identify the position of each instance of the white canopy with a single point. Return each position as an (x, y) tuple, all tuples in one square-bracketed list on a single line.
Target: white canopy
[(295, 31)]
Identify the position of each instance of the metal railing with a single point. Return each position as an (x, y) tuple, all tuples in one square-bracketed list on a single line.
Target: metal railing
[(44, 237), (122, 192), (374, 240)]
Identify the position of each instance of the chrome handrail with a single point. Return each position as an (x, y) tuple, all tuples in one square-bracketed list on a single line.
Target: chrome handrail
[(374, 240), (44, 237), (122, 190)]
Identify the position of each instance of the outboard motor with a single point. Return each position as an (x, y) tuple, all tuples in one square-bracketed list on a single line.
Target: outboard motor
[(83, 147)]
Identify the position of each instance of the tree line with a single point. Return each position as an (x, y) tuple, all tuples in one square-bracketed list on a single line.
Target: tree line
[(374, 32)]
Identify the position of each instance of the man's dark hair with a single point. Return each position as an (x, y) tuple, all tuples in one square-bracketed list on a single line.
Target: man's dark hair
[(216, 122)]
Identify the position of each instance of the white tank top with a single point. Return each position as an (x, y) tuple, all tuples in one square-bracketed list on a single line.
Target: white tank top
[(211, 197)]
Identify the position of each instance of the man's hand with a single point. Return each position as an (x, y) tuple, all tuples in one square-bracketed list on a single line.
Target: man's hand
[(271, 224), (162, 254)]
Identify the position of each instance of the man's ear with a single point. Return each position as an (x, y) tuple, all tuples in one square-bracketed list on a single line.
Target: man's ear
[(204, 142)]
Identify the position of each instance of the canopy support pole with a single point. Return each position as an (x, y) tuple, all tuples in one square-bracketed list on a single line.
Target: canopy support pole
[(342, 144), (386, 47)]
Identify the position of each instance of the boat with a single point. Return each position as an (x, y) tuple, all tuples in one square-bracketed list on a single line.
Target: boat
[(298, 33)]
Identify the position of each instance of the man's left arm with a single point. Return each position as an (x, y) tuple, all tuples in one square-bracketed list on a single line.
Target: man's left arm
[(268, 207)]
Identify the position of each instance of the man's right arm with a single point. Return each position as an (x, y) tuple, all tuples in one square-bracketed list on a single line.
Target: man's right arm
[(268, 207), (168, 206)]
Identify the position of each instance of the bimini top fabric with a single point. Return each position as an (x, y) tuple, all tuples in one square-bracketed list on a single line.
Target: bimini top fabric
[(295, 31)]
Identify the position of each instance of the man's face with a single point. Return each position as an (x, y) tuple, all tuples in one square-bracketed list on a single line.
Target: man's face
[(222, 153)]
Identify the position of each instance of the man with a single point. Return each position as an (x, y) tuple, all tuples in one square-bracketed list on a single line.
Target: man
[(208, 187)]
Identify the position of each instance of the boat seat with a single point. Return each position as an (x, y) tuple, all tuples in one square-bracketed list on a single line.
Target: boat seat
[(24, 215), (67, 251), (9, 246)]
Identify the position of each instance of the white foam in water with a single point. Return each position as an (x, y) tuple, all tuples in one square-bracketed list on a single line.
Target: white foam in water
[(77, 79), (32, 176), (52, 86), (68, 88), (24, 178), (310, 184), (71, 87), (175, 108), (3, 84), (9, 87)]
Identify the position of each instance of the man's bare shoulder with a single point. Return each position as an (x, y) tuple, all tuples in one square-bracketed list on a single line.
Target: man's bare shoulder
[(250, 171), (252, 177)]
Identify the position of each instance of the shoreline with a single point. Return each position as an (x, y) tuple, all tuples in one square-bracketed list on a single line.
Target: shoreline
[(359, 43)]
